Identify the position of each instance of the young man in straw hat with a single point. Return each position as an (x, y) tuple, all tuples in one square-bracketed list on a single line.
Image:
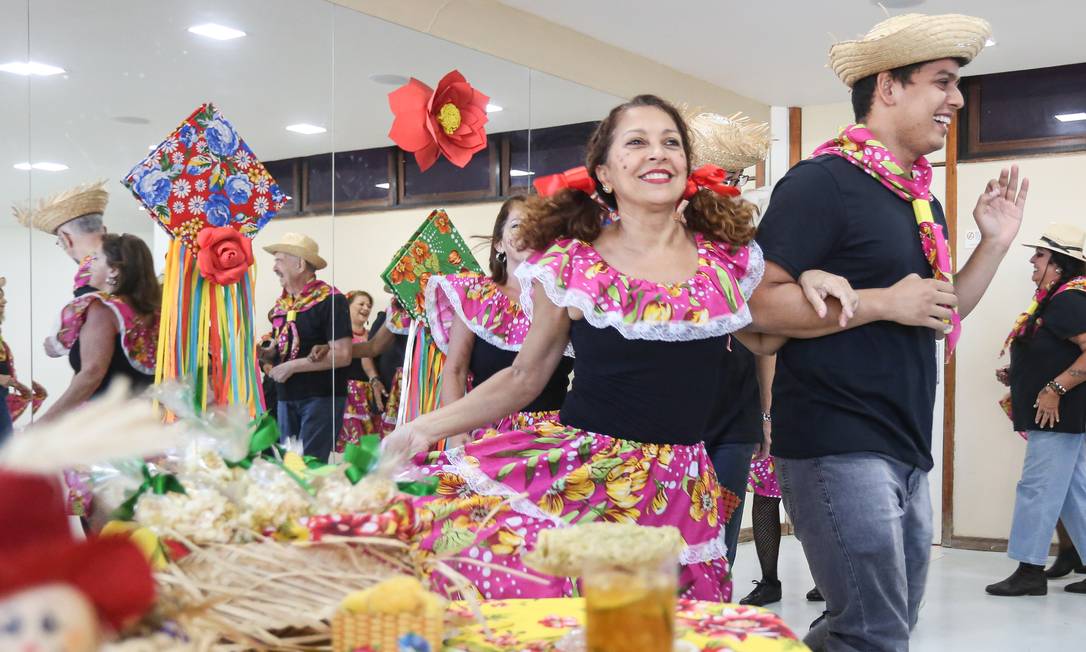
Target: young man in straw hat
[(312, 396), (75, 218), (852, 435)]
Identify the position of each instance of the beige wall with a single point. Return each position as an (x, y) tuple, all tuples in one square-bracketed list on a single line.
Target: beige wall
[(358, 247), (988, 455), (529, 40)]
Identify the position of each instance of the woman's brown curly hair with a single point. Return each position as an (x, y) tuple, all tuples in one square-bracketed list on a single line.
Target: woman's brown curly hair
[(573, 214)]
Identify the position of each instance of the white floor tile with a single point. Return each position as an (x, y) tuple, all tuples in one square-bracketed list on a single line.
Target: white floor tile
[(957, 614)]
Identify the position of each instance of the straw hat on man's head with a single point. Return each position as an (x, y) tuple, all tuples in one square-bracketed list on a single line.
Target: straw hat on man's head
[(1062, 238), (56, 211), (907, 39), (298, 245)]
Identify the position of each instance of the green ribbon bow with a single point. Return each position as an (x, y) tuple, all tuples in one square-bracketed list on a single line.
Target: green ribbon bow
[(361, 458), (158, 484), (265, 435)]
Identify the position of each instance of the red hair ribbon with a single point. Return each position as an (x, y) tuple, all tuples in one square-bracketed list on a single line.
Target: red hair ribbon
[(710, 177), (574, 179)]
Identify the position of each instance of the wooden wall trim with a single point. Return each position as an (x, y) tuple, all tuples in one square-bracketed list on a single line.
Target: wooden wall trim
[(986, 544), (795, 135), (949, 372)]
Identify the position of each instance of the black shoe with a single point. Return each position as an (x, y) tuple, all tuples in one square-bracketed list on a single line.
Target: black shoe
[(765, 592), (1026, 580), (1076, 587), (814, 595), (1066, 562)]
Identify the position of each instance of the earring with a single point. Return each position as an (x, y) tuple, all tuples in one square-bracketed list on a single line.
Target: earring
[(606, 189), (501, 257)]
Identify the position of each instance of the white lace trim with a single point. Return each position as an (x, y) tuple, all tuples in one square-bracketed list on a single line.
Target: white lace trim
[(483, 485), (706, 551), (669, 331), (438, 330)]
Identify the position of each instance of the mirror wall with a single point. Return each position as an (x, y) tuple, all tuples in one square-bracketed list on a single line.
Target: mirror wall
[(132, 71)]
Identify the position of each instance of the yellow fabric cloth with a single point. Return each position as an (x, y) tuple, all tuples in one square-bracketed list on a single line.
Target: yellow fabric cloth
[(536, 625)]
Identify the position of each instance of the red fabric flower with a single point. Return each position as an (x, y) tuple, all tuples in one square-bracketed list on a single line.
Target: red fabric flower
[(447, 121), (225, 254)]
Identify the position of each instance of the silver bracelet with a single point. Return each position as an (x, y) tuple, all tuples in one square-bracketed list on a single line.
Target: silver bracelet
[(1056, 387), (767, 417)]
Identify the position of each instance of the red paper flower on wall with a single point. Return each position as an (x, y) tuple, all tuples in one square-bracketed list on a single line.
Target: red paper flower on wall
[(449, 120)]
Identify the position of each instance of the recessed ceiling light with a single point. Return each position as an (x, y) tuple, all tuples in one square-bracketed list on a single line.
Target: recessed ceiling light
[(389, 80), (43, 166), (306, 128), (383, 186), (520, 173), (1070, 117), (27, 68), (216, 31), (989, 43), (493, 108)]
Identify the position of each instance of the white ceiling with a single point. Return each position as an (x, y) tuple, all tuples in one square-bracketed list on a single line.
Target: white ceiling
[(302, 61), (776, 50)]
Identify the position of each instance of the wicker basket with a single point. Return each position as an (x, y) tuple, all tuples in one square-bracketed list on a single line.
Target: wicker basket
[(383, 631)]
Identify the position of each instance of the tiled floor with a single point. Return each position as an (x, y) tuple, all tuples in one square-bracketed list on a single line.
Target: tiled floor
[(957, 614)]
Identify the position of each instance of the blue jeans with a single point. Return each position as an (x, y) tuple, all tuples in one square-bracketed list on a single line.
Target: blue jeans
[(316, 421), (6, 426), (1053, 486), (732, 465), (865, 524)]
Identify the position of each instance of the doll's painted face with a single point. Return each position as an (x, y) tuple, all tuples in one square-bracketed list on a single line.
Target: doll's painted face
[(48, 618)]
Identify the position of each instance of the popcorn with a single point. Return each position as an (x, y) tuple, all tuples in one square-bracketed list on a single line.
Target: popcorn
[(201, 515), (372, 495), (272, 498)]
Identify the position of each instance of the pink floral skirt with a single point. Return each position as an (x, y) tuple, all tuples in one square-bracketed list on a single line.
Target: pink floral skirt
[(359, 417), (517, 421), (762, 480), (392, 405), (551, 476)]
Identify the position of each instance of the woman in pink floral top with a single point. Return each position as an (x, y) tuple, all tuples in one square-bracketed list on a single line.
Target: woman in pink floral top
[(645, 270), (114, 332), (477, 321)]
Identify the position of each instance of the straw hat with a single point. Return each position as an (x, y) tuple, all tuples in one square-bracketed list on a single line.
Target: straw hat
[(733, 142), (298, 245), (58, 210), (908, 39), (1062, 238)]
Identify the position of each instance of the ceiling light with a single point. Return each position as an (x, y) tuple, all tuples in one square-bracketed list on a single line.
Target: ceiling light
[(43, 166), (990, 42), (27, 68), (493, 108), (383, 186), (216, 31), (389, 80), (306, 128), (50, 167), (1070, 117), (520, 173)]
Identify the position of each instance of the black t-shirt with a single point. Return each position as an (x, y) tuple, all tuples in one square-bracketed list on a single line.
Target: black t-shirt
[(1039, 358), (388, 362), (327, 321), (649, 391), (870, 388), (118, 366), (487, 360), (736, 417)]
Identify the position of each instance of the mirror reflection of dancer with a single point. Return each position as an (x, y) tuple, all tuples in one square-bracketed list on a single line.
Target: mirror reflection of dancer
[(75, 218), (476, 319), (14, 396), (647, 292)]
